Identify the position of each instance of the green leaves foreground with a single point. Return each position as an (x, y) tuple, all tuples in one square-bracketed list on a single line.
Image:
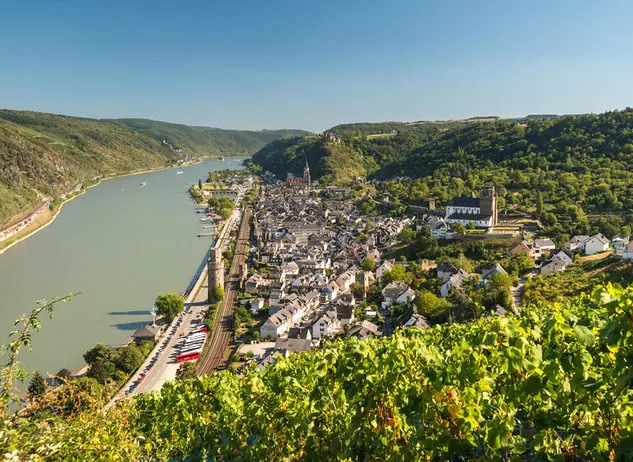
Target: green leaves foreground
[(554, 381)]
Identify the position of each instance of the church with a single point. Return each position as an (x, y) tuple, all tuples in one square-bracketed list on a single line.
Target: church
[(482, 210), (291, 180)]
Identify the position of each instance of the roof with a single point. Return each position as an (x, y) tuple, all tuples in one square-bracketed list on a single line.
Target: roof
[(497, 268), (417, 320), (293, 344), (544, 243), (600, 238), (364, 329), (345, 312), (446, 267), (146, 331), (465, 202), (468, 216), (395, 289)]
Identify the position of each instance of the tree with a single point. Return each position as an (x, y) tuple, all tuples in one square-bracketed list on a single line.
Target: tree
[(98, 352), (129, 358), (200, 184), (169, 306), (458, 228), (37, 386), (429, 304), (188, 370), (406, 236), (102, 371), (64, 374), (218, 293), (368, 264), (539, 203)]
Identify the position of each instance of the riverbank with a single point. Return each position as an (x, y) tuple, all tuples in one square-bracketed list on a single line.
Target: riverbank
[(48, 217)]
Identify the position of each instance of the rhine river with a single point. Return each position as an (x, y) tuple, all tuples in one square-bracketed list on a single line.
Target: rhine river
[(120, 245)]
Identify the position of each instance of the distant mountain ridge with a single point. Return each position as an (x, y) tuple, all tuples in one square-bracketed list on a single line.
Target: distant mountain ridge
[(43, 155), (205, 141)]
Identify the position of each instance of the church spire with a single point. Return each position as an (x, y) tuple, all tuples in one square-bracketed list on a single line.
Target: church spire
[(306, 173)]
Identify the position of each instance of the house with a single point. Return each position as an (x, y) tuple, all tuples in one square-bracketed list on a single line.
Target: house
[(540, 246), (345, 281), (290, 269), (454, 282), (576, 243), (628, 251), (619, 245), (331, 291), (496, 269), (396, 292), (522, 247), (253, 283), (417, 320), (276, 325), (480, 211), (300, 332), (364, 330), (596, 244), (382, 269), (146, 333), (438, 229), (286, 345), (563, 257), (445, 270), (326, 325), (345, 314), (256, 305), (552, 266)]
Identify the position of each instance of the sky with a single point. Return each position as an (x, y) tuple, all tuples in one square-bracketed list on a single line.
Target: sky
[(314, 64)]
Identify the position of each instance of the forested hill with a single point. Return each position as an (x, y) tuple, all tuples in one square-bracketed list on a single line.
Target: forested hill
[(206, 141), (46, 154), (584, 160)]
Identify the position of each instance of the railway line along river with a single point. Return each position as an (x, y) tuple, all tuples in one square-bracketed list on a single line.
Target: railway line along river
[(120, 244)]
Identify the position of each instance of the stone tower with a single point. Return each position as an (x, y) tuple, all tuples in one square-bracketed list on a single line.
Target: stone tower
[(216, 272), (488, 203), (431, 203)]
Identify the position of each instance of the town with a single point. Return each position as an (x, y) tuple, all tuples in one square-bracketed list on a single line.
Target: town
[(318, 268)]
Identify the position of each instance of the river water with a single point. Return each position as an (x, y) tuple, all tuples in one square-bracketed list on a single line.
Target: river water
[(120, 245)]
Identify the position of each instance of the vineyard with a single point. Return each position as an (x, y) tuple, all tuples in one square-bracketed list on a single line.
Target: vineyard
[(554, 383)]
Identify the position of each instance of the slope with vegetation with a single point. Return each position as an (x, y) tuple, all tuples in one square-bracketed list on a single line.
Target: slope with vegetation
[(44, 155), (552, 383), (570, 171), (333, 162), (205, 141)]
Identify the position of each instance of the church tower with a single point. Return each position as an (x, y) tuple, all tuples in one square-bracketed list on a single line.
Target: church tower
[(488, 203), (306, 173)]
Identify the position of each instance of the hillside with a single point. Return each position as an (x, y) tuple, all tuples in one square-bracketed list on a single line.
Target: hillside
[(580, 167), (46, 154), (206, 141), (551, 384), (42, 155), (333, 161)]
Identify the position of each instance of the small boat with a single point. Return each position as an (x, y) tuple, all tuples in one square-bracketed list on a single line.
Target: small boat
[(179, 172), (142, 184), (222, 158)]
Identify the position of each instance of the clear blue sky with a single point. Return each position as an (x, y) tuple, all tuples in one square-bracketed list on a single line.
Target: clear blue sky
[(314, 64)]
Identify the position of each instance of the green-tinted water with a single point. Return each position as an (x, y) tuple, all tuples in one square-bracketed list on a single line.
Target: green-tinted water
[(119, 244)]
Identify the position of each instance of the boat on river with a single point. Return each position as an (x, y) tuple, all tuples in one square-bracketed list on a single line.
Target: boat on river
[(143, 184), (179, 172)]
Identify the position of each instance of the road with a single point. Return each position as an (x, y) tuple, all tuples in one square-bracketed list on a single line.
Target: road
[(222, 331)]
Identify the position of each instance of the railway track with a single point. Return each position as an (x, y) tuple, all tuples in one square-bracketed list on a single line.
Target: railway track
[(222, 331)]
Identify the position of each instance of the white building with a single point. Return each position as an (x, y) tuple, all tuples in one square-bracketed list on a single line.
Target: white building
[(326, 325), (596, 244)]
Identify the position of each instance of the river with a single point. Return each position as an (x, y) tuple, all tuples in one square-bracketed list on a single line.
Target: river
[(120, 245)]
